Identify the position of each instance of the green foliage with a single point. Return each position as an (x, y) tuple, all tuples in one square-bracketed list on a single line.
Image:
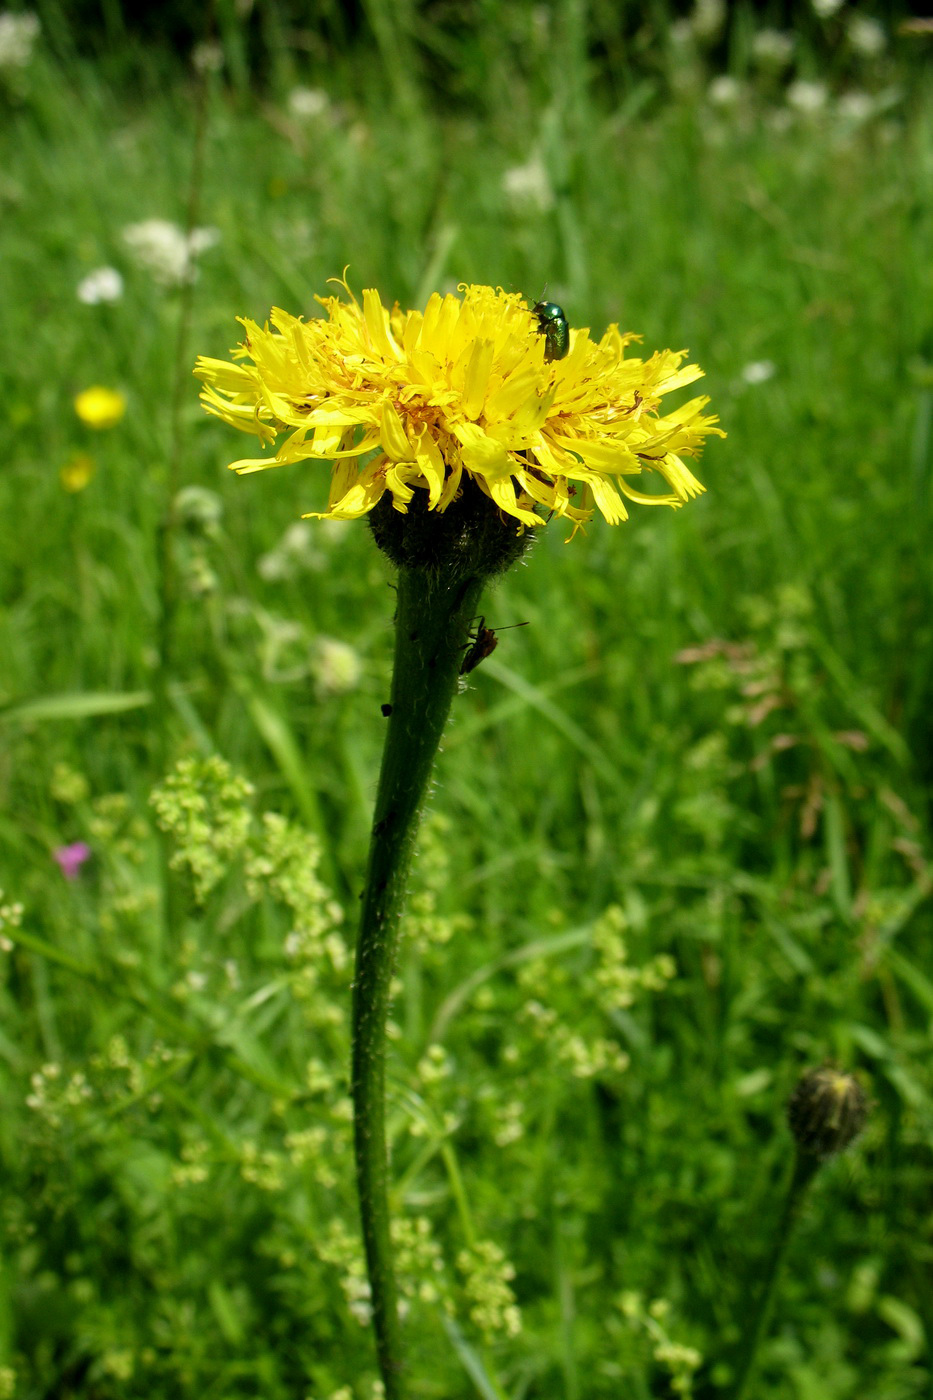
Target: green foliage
[(679, 846)]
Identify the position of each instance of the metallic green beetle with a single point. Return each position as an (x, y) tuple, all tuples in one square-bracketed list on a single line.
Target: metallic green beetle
[(554, 326)]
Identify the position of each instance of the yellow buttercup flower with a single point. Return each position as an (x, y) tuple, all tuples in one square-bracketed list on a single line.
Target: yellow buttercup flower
[(98, 407), (77, 472), (403, 401)]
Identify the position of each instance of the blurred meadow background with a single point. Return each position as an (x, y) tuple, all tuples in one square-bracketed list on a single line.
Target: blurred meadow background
[(679, 846)]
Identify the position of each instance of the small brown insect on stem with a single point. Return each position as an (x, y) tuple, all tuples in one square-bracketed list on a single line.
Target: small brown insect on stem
[(483, 644)]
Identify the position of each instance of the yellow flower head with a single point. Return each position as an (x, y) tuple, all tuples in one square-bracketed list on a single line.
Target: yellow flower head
[(408, 400), (99, 407), (77, 472)]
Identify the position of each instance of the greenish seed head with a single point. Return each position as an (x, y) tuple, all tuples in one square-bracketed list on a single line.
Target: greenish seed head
[(554, 326)]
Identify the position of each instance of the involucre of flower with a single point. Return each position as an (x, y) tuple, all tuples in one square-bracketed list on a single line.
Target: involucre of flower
[(826, 1111), (408, 402)]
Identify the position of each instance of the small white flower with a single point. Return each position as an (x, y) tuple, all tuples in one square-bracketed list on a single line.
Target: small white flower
[(527, 187), (298, 538), (758, 371), (297, 549), (827, 8), (102, 285), (806, 97), (199, 508), (308, 103), (724, 91), (166, 251), (708, 18), (207, 57), (200, 239), (18, 34), (867, 36), (774, 47), (855, 107), (337, 667)]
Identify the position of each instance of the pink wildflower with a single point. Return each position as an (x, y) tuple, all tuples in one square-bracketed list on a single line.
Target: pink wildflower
[(71, 858)]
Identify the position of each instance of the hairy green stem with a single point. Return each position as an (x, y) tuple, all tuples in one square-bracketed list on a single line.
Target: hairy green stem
[(805, 1168), (433, 616)]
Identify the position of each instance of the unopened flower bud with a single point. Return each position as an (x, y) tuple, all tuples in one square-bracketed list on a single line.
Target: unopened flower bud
[(826, 1111)]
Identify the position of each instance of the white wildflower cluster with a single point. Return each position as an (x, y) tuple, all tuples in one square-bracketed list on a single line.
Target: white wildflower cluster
[(487, 1278), (284, 863), (342, 1248), (262, 1167), (166, 251), (423, 926), (296, 551), (319, 1079), (117, 1074), (758, 371), (418, 1259), (527, 188), (18, 34), (204, 806), (101, 286), (193, 1169), (207, 57), (866, 36), (825, 9), (510, 1122), (52, 1095), (585, 1059), (309, 1148), (11, 916), (199, 510), (427, 1122), (773, 48), (308, 104), (596, 1059), (681, 1362), (707, 19), (617, 981), (435, 1065), (336, 666), (724, 91), (807, 97)]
